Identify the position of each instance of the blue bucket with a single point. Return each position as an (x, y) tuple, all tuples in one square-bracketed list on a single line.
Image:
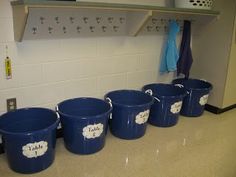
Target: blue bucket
[(167, 105), (130, 113), (197, 96), (29, 138), (84, 123)]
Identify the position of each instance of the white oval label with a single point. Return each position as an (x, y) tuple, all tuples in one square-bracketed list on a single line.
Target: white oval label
[(176, 107), (93, 131), (142, 117), (203, 100), (34, 150)]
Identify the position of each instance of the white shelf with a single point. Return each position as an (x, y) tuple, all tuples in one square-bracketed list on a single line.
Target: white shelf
[(35, 19)]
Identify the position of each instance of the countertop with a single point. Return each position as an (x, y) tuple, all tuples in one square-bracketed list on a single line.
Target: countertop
[(195, 147)]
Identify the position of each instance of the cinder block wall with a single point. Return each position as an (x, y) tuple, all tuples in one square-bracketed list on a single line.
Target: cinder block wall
[(46, 72)]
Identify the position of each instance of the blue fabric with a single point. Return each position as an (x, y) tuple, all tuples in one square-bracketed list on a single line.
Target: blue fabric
[(185, 60), (170, 55)]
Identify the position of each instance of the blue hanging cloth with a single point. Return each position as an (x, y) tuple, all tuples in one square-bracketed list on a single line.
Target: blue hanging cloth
[(185, 60), (170, 55)]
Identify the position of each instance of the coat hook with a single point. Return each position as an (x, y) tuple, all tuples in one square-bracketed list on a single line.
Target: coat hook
[(92, 28), (157, 28), (110, 19), (115, 28), (42, 20), (50, 30), (104, 28), (122, 19), (64, 29), (163, 21), (34, 30), (166, 28), (78, 29), (57, 20), (72, 19), (154, 21), (149, 28), (98, 19), (85, 19)]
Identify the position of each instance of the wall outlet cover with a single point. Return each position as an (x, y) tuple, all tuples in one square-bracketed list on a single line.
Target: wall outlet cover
[(11, 104)]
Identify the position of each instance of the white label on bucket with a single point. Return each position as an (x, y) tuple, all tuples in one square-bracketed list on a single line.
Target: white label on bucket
[(34, 150), (203, 100), (93, 131), (176, 107), (142, 117)]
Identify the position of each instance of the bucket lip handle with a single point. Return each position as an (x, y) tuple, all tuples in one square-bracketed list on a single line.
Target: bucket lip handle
[(179, 85), (157, 99), (57, 108), (109, 101), (58, 115), (149, 91), (202, 79)]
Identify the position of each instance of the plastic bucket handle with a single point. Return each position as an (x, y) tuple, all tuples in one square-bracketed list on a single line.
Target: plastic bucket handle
[(203, 80), (58, 116), (150, 92), (156, 99), (110, 103), (57, 109), (181, 86)]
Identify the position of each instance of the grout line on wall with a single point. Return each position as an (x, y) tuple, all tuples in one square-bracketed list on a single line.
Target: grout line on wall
[(82, 78), (46, 84), (112, 74), (87, 58), (57, 82)]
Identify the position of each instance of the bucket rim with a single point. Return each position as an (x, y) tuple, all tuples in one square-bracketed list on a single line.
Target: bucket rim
[(130, 90), (164, 96), (187, 88), (28, 133), (69, 116)]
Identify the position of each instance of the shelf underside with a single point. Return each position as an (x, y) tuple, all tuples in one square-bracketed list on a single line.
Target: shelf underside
[(80, 4)]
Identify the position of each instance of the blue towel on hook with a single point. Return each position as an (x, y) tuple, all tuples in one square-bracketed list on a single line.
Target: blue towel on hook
[(170, 54)]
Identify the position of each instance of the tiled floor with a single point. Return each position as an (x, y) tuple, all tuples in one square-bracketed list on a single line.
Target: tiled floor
[(196, 147)]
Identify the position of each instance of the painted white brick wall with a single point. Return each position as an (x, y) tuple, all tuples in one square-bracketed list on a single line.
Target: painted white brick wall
[(46, 72)]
